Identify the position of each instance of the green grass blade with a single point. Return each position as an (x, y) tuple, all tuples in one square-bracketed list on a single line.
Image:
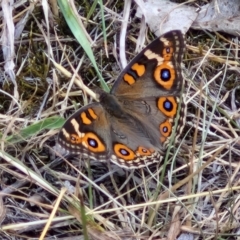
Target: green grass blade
[(77, 29), (34, 129)]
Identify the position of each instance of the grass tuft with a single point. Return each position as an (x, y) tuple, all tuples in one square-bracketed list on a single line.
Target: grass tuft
[(60, 55)]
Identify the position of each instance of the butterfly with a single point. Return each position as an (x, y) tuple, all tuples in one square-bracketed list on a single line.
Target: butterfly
[(131, 126)]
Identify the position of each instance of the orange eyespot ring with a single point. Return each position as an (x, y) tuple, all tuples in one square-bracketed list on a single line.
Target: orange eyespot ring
[(93, 143), (167, 53), (89, 141), (164, 75), (75, 139), (168, 106), (144, 151), (165, 128), (124, 152)]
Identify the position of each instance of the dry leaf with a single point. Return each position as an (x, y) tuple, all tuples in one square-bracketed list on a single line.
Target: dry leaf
[(220, 15), (163, 16)]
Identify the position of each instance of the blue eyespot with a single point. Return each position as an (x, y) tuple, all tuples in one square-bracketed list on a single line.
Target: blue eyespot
[(124, 152), (92, 142), (168, 105), (165, 74), (165, 129)]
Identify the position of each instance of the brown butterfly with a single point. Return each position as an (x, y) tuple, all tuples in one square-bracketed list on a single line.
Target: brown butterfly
[(132, 124)]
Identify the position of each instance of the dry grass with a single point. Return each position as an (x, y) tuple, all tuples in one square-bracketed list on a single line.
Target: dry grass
[(195, 192)]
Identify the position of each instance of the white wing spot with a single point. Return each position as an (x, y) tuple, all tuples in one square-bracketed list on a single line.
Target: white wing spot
[(76, 127), (151, 55)]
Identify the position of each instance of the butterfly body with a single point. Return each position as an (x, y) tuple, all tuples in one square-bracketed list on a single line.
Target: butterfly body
[(133, 123)]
